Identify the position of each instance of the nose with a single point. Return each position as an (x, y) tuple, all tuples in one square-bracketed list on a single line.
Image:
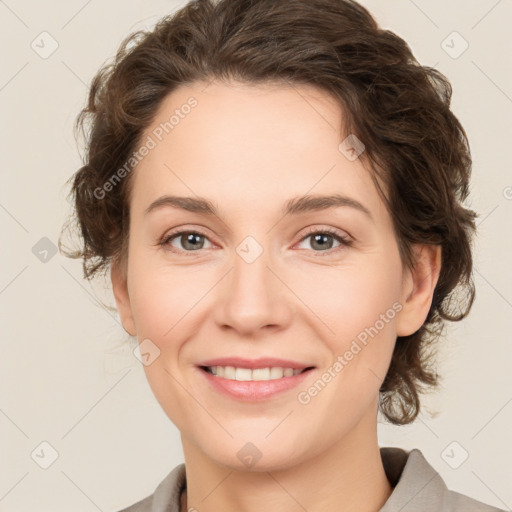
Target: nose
[(254, 295)]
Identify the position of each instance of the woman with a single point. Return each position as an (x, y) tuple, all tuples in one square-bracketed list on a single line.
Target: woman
[(276, 188)]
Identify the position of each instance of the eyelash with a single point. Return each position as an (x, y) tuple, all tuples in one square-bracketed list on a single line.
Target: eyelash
[(344, 241)]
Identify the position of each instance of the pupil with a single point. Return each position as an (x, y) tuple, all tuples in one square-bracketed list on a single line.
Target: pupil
[(319, 237), (192, 238)]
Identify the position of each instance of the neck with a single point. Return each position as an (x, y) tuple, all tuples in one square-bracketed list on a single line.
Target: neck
[(348, 477)]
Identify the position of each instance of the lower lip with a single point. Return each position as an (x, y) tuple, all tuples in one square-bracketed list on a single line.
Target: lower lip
[(254, 390)]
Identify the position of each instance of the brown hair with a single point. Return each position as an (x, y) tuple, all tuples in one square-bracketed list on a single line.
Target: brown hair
[(399, 109)]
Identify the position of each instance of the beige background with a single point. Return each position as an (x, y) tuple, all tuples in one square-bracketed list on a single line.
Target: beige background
[(64, 382)]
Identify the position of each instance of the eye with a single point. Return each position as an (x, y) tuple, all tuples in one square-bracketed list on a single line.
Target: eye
[(190, 241), (193, 241), (322, 239)]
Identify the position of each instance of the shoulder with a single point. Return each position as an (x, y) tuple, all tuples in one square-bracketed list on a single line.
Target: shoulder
[(418, 487), (166, 496)]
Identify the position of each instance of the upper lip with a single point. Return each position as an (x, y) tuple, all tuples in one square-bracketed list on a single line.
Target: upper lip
[(262, 362)]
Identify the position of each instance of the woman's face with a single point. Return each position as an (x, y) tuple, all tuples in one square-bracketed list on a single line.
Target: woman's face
[(259, 283)]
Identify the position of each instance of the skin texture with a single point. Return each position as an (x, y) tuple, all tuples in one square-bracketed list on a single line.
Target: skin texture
[(249, 149)]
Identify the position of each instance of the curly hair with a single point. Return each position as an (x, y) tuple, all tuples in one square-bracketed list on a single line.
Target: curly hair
[(398, 108)]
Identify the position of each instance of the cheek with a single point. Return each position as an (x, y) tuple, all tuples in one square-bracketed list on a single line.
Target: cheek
[(359, 305), (163, 301), (351, 298), (162, 296)]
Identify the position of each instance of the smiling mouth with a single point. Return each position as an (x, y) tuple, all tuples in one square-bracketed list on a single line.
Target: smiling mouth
[(253, 374)]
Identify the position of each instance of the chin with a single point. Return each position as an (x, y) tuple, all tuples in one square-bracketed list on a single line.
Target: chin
[(254, 457)]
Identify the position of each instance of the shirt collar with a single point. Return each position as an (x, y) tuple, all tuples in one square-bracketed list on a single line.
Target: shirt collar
[(417, 487)]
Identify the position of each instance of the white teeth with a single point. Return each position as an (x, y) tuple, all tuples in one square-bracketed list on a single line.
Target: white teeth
[(245, 374), (229, 372), (261, 374), (276, 373)]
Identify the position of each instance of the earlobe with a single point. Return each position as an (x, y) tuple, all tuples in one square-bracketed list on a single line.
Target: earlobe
[(120, 289), (418, 289)]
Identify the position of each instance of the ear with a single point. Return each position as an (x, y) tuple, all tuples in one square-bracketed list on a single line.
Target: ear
[(118, 276), (418, 287)]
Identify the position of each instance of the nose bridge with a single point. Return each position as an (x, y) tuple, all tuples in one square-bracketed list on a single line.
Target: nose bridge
[(251, 274), (253, 295)]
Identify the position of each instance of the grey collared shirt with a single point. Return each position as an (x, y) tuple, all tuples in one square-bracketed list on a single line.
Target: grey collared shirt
[(417, 487)]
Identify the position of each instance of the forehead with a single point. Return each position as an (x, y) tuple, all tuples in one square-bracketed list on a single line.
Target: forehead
[(248, 146)]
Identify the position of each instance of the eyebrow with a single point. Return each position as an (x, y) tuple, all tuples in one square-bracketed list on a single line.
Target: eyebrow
[(294, 206)]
